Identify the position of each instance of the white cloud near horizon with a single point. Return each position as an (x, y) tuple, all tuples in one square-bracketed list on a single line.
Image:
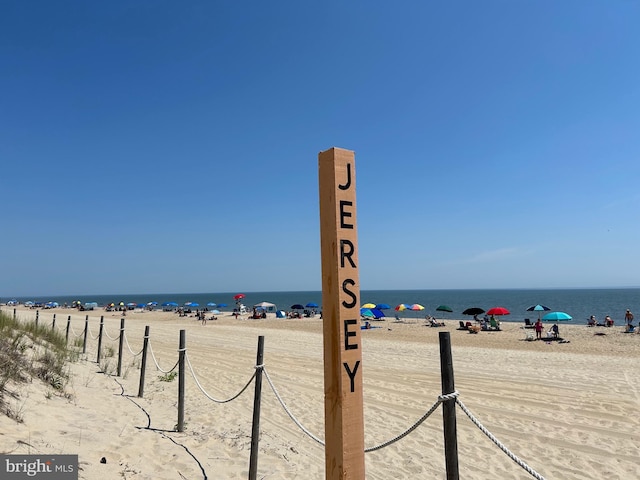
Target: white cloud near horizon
[(497, 255)]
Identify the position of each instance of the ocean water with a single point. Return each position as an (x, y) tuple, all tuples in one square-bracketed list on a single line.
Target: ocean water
[(579, 303)]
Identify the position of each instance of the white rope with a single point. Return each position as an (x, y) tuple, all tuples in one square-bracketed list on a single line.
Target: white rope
[(412, 427), (156, 362), (75, 334), (500, 445), (104, 330), (291, 415), (209, 396), (124, 335), (91, 334)]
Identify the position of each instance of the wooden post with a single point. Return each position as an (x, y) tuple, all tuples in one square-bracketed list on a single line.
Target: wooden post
[(86, 332), (68, 328), (448, 407), (255, 429), (143, 366), (100, 339), (120, 346), (37, 317), (181, 372), (53, 323), (344, 421)]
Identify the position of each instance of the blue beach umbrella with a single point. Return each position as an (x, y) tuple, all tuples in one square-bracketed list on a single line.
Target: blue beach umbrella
[(169, 304), (556, 317), (221, 305), (383, 306), (311, 305), (366, 312), (538, 308), (211, 304)]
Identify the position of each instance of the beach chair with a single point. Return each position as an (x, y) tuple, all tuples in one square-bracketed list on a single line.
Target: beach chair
[(462, 326), (528, 324), (529, 336), (494, 324)]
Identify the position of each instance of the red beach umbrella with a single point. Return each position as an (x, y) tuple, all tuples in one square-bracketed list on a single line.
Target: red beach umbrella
[(239, 296), (498, 311)]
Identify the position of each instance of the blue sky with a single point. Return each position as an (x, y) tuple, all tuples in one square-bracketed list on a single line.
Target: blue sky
[(169, 147)]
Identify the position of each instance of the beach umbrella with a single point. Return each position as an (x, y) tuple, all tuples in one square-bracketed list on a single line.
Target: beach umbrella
[(556, 317), (297, 306), (222, 305), (211, 304), (311, 305), (473, 311), (444, 308), (401, 307), (169, 304), (416, 307), (538, 308), (366, 312), (215, 312), (264, 305), (498, 311), (369, 305), (382, 306), (239, 296)]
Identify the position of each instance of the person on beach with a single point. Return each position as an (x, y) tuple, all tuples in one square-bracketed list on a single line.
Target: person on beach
[(608, 321), (555, 331), (538, 328), (628, 317), (592, 321)]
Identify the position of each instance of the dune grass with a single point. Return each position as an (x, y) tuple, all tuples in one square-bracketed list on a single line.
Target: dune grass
[(29, 351)]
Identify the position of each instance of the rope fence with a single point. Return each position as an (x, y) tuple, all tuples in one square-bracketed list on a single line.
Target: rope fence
[(204, 392), (113, 339), (260, 369), (93, 337), (126, 341), (155, 361)]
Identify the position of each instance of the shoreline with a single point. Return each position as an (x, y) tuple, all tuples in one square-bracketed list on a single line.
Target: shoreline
[(562, 408)]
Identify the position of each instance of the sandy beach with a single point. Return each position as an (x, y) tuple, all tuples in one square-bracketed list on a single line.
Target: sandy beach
[(566, 409)]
